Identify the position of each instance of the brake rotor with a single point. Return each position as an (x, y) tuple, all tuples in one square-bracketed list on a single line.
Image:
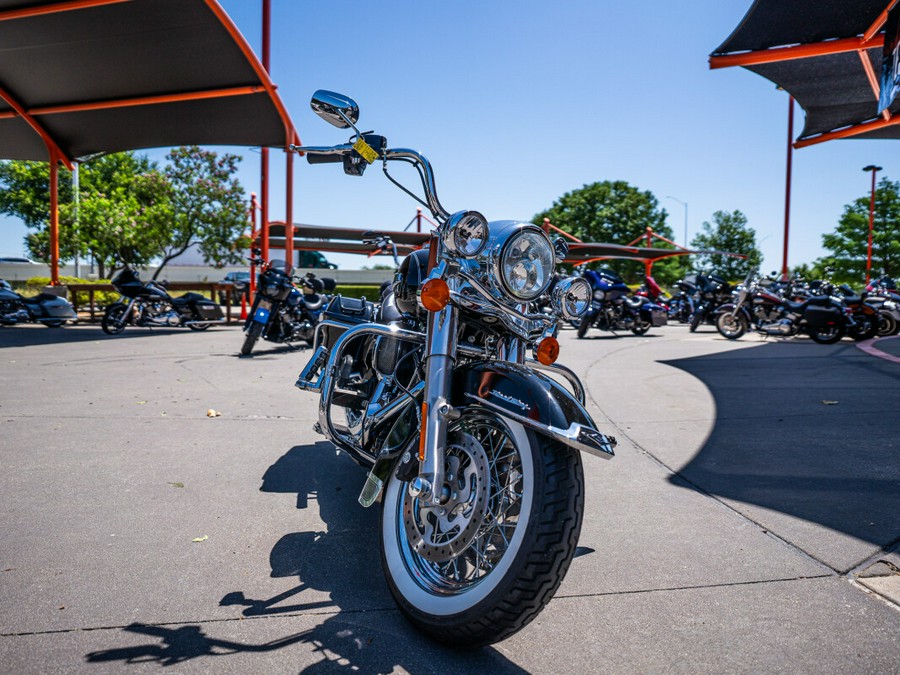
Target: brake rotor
[(440, 532)]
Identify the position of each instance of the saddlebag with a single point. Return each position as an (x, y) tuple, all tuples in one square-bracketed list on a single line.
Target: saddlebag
[(658, 317), (349, 311), (821, 316)]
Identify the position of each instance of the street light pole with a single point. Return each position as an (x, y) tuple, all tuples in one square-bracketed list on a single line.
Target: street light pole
[(685, 205), (874, 169)]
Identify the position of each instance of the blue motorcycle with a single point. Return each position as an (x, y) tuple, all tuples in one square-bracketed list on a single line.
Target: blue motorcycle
[(613, 309)]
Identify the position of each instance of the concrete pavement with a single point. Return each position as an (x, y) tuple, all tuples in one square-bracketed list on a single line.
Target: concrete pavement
[(749, 522)]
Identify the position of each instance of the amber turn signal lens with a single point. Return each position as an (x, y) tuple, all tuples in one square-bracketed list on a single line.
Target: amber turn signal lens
[(435, 295), (548, 351)]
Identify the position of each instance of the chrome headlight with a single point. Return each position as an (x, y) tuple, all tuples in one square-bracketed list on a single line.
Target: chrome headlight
[(571, 297), (466, 234), (527, 262), (599, 295)]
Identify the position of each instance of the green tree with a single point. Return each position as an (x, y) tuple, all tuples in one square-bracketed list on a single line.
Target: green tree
[(729, 233), (848, 244), (209, 207), (615, 212), (122, 201)]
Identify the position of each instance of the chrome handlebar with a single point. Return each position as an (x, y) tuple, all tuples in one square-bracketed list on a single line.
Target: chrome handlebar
[(391, 154)]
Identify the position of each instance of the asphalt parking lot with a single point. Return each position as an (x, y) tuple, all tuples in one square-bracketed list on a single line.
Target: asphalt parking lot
[(749, 523)]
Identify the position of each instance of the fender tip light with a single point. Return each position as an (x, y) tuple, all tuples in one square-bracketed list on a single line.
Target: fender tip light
[(547, 351), (435, 295)]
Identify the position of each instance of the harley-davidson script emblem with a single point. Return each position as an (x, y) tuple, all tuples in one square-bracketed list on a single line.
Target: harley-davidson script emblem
[(509, 399)]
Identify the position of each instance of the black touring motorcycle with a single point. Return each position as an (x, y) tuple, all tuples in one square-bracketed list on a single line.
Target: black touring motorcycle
[(50, 310), (149, 304), (440, 392)]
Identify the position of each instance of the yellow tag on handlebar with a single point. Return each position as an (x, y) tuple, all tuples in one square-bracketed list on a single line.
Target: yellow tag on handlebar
[(366, 151)]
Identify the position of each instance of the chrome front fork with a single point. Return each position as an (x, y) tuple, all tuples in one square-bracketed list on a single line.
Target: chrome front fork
[(436, 409)]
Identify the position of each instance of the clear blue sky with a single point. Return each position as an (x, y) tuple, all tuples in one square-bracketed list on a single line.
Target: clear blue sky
[(516, 103)]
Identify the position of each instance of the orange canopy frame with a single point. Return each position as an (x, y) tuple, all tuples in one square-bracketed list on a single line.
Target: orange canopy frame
[(83, 77)]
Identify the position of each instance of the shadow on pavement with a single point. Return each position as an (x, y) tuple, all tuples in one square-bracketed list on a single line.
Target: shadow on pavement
[(804, 429), (33, 335), (361, 629)]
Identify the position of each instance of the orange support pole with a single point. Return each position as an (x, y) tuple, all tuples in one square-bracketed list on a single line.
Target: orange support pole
[(54, 219), (289, 211)]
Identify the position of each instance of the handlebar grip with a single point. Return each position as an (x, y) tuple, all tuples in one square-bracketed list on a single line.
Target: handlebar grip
[(323, 159)]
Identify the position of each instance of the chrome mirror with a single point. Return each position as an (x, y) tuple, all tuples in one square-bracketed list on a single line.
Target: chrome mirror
[(337, 109)]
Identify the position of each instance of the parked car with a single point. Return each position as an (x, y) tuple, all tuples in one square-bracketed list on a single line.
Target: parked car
[(16, 260), (240, 286)]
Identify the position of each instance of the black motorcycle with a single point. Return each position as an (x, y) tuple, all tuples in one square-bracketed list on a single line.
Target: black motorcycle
[(762, 307), (281, 312), (440, 392), (50, 310), (150, 305), (712, 292)]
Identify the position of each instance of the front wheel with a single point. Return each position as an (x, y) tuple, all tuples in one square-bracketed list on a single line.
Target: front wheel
[(887, 324), (731, 326), (696, 319), (583, 327), (253, 333), (113, 321), (480, 566)]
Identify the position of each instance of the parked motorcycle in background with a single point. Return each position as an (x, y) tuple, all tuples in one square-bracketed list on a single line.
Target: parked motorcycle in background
[(712, 291), (150, 305), (50, 310), (823, 317), (613, 309), (440, 392), (681, 306), (281, 312), (881, 292)]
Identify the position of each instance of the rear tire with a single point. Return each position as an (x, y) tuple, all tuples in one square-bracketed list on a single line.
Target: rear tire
[(826, 335), (253, 333), (113, 321), (515, 542), (198, 326), (866, 327), (641, 327)]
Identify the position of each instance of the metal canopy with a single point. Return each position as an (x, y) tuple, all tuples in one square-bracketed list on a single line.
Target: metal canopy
[(826, 54), (79, 77)]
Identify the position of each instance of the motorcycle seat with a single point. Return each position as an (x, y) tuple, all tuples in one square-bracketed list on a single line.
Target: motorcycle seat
[(188, 298), (816, 300)]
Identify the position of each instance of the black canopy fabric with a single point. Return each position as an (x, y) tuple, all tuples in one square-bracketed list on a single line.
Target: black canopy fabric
[(830, 82), (92, 76)]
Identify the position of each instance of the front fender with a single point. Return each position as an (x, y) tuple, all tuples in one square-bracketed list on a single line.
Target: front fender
[(728, 308), (532, 399)]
